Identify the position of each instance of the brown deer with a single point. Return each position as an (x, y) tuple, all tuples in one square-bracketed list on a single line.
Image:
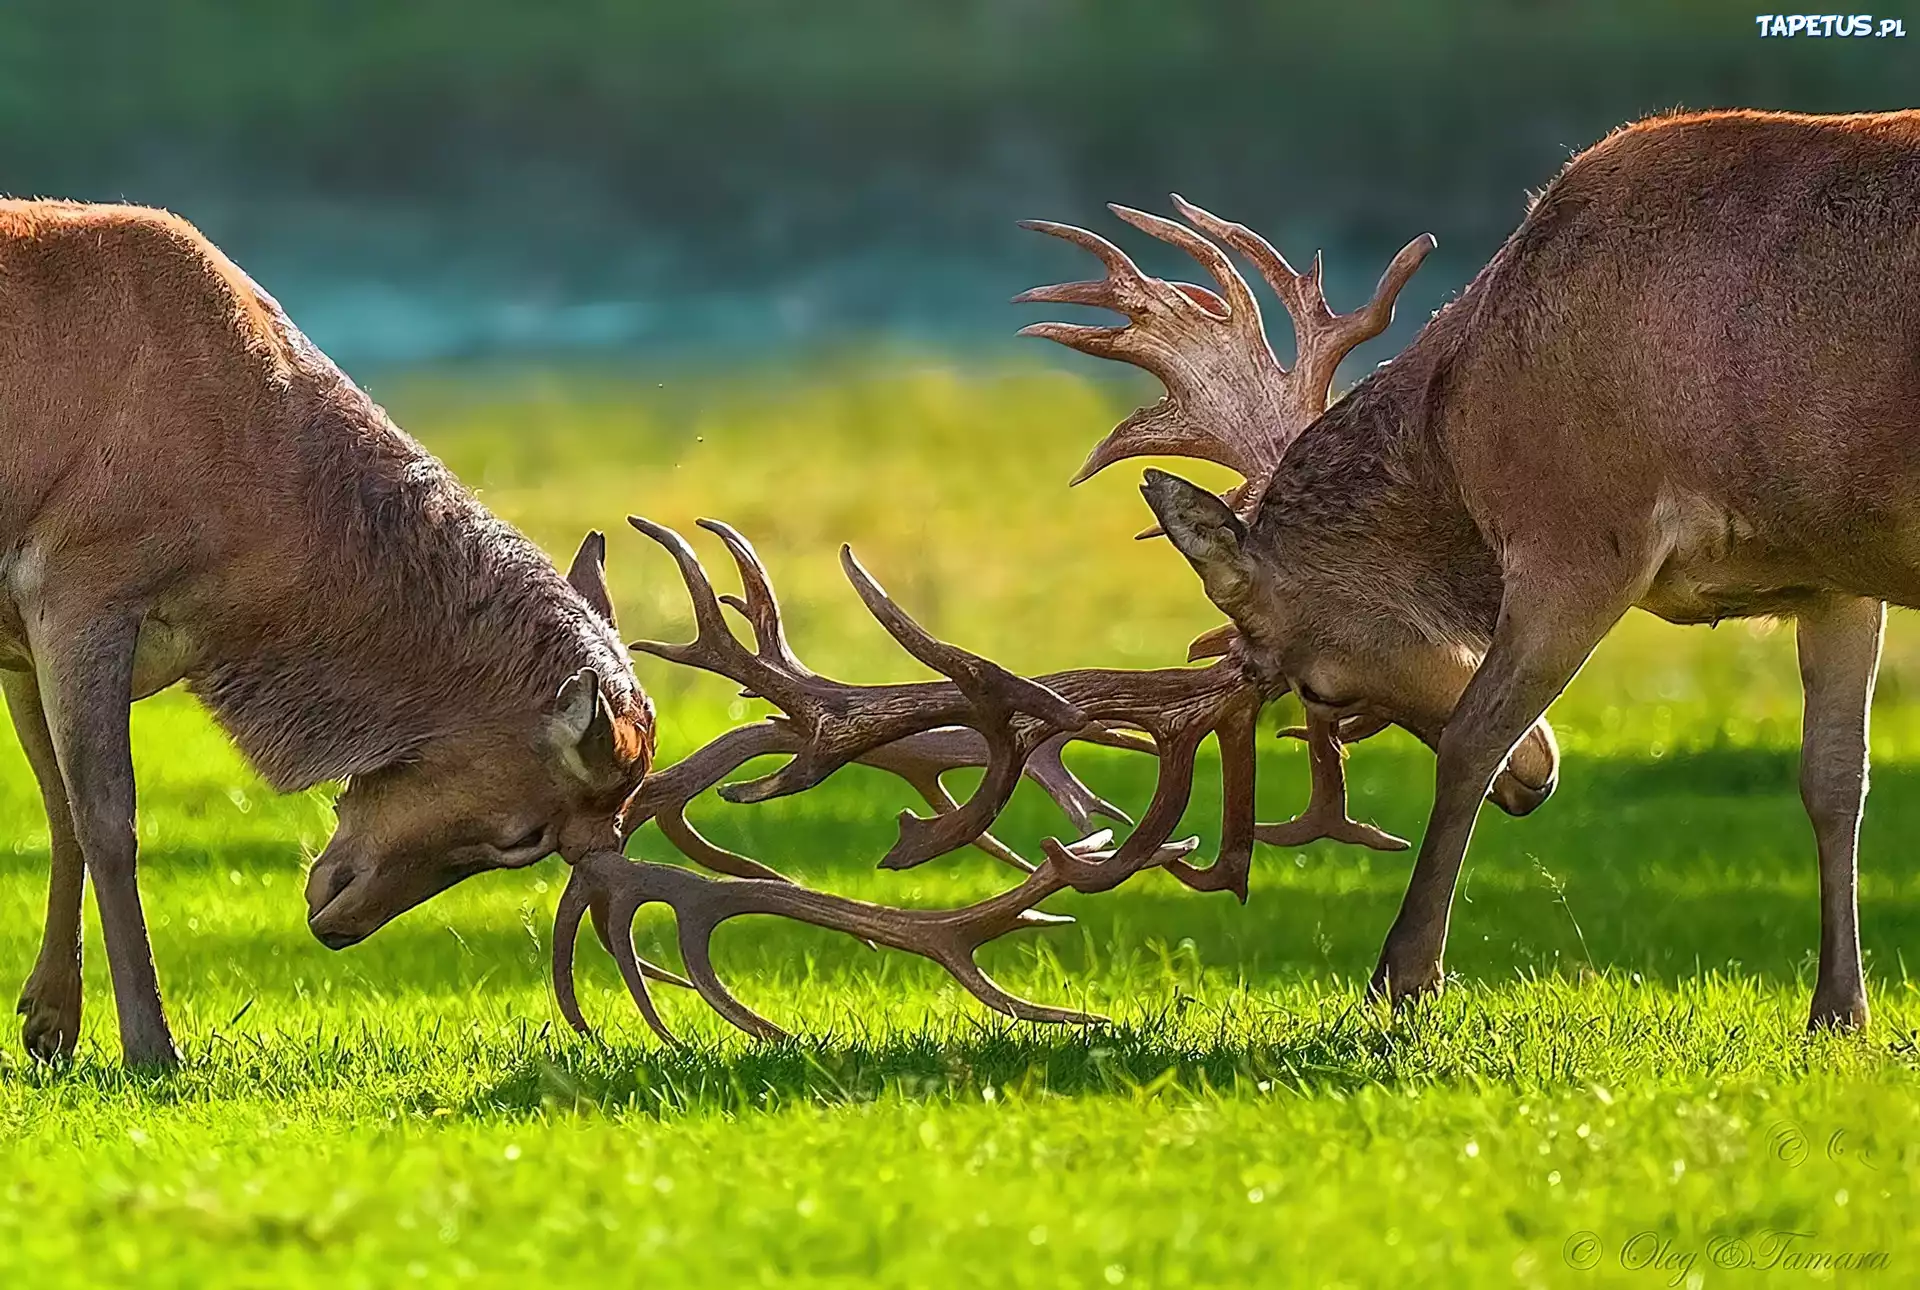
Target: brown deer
[(1229, 400), (1689, 382), (192, 491)]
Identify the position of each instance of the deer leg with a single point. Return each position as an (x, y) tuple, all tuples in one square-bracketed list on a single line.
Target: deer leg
[(50, 1000), (1839, 657), (84, 666), (1537, 647)]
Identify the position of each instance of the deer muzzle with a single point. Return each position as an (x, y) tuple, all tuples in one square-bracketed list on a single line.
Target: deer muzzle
[(1532, 773)]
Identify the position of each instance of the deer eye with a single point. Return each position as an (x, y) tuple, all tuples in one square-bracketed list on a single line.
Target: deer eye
[(1309, 695), (528, 841)]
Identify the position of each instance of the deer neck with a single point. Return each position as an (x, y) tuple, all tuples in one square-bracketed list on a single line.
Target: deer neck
[(386, 608), (1365, 513)]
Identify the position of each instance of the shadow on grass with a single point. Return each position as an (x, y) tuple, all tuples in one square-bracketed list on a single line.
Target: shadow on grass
[(1667, 867), (986, 1062), (1558, 1034)]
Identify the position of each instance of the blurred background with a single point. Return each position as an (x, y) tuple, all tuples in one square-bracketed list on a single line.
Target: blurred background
[(447, 179)]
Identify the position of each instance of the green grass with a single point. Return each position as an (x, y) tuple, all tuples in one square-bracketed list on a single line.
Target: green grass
[(1621, 1052)]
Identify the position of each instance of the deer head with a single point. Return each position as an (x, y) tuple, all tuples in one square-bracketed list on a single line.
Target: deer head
[(1348, 664), (1229, 400), (499, 795)]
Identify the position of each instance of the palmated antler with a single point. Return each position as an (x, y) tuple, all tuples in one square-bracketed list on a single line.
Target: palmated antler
[(1228, 398), (614, 889)]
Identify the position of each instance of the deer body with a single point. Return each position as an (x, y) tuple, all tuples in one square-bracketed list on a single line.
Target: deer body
[(191, 491), (1689, 382)]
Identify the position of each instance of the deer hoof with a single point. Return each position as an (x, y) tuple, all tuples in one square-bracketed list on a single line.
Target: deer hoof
[(1401, 981), (50, 1016), (1842, 1014)]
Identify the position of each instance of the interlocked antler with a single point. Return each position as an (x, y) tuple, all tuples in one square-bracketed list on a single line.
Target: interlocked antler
[(985, 716), (917, 730), (981, 714), (614, 889), (1228, 398)]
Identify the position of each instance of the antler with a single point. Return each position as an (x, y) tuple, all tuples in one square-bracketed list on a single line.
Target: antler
[(980, 715), (614, 889), (1228, 398), (916, 731)]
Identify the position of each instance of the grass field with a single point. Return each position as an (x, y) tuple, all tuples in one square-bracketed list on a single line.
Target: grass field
[(1617, 1077)]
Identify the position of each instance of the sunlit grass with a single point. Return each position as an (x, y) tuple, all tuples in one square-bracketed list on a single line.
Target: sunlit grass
[(1622, 1051)]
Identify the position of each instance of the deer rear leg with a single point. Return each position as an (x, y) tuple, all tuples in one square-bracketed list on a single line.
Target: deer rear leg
[(83, 659), (50, 1000), (1540, 642), (1839, 658)]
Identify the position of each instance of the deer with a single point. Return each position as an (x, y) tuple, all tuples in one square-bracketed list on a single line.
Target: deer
[(192, 492), (1229, 400), (1689, 382)]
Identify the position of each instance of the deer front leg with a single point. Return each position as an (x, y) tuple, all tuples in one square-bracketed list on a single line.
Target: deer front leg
[(1839, 658), (83, 661), (50, 1000), (1538, 646)]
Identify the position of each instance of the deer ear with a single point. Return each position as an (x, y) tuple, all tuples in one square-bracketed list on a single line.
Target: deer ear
[(582, 728), (1206, 531), (588, 574)]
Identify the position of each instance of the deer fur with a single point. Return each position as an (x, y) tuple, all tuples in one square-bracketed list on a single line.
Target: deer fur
[(192, 491)]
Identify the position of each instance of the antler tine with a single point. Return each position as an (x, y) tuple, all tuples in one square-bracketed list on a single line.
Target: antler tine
[(694, 845), (1326, 814), (1216, 642), (1239, 307), (982, 680), (694, 774), (714, 647), (1122, 273), (607, 905), (949, 937), (1322, 337), (1048, 768), (1232, 868), (921, 759), (758, 605)]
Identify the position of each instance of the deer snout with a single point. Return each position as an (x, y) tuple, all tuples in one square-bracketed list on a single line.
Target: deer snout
[(1517, 797), (326, 882), (1531, 773)]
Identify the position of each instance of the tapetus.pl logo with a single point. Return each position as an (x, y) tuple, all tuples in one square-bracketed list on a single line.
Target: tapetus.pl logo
[(1826, 25)]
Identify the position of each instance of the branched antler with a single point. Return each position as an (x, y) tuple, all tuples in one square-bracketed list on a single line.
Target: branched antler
[(917, 731), (1228, 398), (614, 889), (922, 729), (981, 715)]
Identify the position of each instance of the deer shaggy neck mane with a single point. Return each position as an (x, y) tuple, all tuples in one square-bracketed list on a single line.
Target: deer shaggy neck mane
[(402, 611), (1364, 504)]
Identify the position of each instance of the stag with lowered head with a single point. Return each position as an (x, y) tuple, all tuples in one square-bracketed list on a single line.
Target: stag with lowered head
[(1228, 400), (192, 491), (1689, 382)]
